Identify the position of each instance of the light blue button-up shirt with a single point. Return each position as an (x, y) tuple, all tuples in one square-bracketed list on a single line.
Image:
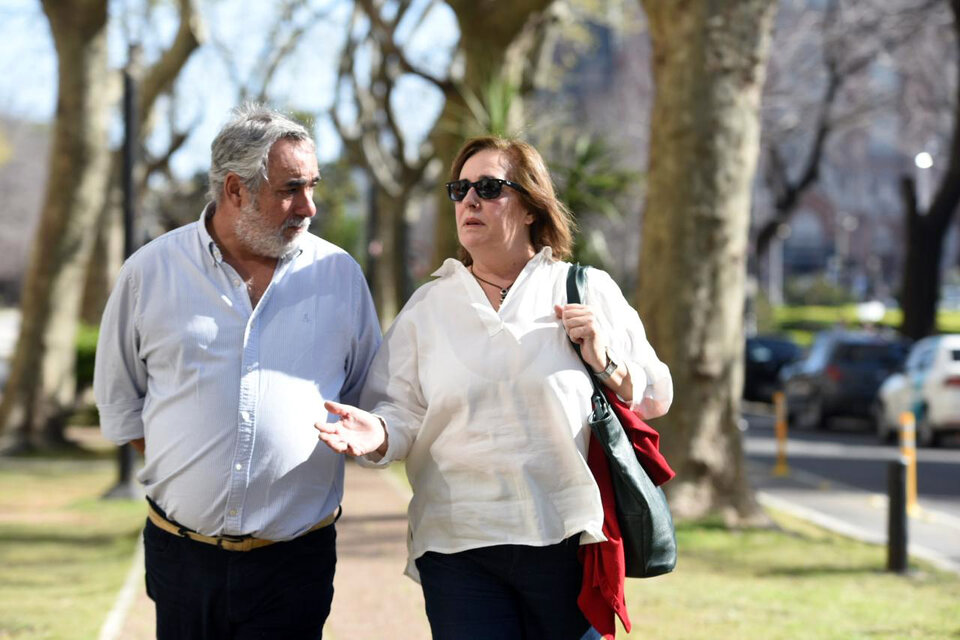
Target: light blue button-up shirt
[(225, 394)]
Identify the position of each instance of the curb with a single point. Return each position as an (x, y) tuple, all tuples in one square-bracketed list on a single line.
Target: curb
[(113, 625)]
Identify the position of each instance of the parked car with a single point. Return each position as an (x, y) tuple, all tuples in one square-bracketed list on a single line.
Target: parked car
[(840, 376), (764, 357), (928, 386)]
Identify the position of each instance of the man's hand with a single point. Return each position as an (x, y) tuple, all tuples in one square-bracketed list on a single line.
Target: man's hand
[(357, 432)]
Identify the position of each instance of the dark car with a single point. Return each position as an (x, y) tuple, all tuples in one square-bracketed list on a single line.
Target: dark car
[(764, 357), (840, 376)]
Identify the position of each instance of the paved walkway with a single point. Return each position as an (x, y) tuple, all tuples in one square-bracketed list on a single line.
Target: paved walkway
[(372, 599)]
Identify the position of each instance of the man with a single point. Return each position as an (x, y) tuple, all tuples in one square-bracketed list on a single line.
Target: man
[(218, 348)]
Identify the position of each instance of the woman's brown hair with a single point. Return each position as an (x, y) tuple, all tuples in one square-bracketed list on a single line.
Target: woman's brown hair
[(553, 225)]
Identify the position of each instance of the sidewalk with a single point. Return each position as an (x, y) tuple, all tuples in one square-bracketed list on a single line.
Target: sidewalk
[(862, 515), (372, 599)]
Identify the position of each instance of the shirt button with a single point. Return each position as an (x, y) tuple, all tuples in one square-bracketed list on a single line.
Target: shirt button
[(236, 283), (244, 416), (239, 467), (233, 512)]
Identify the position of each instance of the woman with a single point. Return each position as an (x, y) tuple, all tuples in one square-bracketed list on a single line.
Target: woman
[(477, 386)]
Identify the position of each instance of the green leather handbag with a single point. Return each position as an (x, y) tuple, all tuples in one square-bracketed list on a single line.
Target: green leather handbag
[(646, 525)]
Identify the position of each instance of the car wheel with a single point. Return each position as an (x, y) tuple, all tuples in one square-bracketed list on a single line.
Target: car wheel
[(810, 416), (884, 433)]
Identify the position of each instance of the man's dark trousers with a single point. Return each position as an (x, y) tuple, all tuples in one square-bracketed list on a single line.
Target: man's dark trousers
[(203, 592)]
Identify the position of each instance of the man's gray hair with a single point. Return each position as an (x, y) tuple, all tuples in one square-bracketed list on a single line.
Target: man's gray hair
[(244, 143)]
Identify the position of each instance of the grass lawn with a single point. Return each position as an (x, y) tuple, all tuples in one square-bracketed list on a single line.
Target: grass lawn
[(64, 553), (799, 582)]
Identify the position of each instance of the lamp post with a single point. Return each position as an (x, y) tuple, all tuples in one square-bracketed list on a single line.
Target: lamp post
[(924, 163), (126, 488), (775, 280), (848, 224)]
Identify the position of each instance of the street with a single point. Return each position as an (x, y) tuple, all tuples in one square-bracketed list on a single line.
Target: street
[(841, 475)]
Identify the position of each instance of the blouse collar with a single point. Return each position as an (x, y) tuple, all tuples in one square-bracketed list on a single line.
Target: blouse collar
[(451, 266)]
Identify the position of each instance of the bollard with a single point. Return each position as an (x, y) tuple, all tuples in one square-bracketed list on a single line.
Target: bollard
[(908, 450), (897, 515), (780, 426)]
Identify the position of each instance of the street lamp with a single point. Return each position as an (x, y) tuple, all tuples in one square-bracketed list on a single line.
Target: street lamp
[(924, 164)]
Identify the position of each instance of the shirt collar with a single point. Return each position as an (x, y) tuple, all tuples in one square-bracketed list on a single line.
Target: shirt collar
[(206, 240)]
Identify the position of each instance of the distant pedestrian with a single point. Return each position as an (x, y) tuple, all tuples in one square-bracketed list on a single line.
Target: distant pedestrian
[(478, 388), (218, 348)]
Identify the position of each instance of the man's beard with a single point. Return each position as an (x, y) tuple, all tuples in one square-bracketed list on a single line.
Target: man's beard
[(255, 234)]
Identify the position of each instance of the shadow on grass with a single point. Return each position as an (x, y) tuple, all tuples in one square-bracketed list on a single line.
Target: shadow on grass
[(71, 451), (819, 571), (36, 536)]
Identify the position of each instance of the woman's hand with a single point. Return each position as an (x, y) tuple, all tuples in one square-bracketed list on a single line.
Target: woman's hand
[(581, 325), (356, 433)]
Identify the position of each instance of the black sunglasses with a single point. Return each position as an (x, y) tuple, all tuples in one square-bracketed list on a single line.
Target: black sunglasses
[(487, 188)]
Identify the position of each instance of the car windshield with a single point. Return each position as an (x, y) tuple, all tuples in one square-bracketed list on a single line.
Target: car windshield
[(883, 355)]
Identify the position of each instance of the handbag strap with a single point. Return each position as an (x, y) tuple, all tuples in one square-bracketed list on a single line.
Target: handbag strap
[(576, 283)]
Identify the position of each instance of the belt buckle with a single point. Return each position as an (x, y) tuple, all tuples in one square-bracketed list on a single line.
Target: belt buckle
[(233, 540)]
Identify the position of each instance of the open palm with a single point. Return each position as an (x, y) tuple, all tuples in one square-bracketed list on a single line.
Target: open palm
[(356, 433)]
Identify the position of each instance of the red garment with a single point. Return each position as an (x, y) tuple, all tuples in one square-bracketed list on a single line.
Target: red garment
[(604, 569)]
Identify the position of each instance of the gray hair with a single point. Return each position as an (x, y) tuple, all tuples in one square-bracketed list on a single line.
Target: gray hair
[(244, 143)]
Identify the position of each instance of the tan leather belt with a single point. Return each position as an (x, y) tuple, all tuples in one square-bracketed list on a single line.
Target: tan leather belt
[(229, 543)]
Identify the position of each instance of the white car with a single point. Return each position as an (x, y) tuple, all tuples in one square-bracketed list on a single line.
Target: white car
[(928, 386)]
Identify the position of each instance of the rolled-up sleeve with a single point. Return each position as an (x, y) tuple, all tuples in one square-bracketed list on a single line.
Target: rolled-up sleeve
[(120, 375), (652, 383)]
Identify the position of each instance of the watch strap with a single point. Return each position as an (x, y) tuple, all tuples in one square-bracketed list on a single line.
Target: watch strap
[(607, 372)]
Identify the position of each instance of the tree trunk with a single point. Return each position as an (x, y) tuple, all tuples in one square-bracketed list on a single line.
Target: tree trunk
[(921, 271), (41, 388), (384, 254), (107, 255), (926, 230), (708, 66)]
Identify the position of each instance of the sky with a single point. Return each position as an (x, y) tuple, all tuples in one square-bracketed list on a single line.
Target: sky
[(206, 93)]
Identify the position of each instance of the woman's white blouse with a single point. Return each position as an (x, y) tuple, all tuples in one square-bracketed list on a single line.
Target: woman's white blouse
[(490, 409)]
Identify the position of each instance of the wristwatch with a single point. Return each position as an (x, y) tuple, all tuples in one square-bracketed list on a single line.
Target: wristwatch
[(612, 366)]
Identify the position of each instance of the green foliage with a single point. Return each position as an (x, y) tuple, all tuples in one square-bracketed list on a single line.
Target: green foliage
[(816, 291), (591, 184), (86, 353), (490, 112), (765, 314), (337, 200), (801, 322)]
